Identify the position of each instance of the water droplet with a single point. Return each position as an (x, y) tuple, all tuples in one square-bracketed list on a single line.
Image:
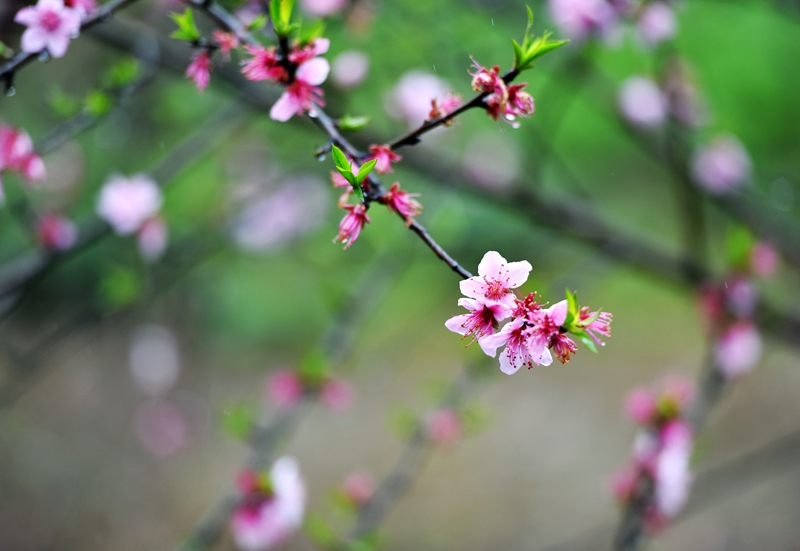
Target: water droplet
[(11, 91), (43, 56), (321, 157)]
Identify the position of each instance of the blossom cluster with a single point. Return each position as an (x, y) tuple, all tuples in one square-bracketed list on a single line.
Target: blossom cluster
[(534, 334), (51, 24), (272, 507), (659, 465), (131, 206), (17, 155), (504, 101), (301, 71)]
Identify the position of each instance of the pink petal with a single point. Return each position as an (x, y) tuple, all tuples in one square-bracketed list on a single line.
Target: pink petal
[(505, 364), (468, 303), (545, 359), (490, 343), (456, 324), (558, 312), (57, 44), (285, 108), (473, 287), (518, 273), (27, 16), (321, 46), (491, 265), (34, 40), (314, 71)]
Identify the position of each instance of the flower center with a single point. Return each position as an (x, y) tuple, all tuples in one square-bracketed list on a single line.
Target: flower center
[(495, 290), (50, 20)]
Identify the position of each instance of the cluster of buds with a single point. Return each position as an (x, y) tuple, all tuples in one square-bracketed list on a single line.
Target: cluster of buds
[(287, 387), (301, 72), (132, 206), (534, 333), (503, 102), (17, 155), (658, 475), (272, 506)]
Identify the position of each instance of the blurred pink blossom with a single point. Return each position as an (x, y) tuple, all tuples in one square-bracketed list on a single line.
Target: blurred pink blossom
[(161, 427), (337, 394), (154, 359), (657, 23), (199, 70), (153, 238), (722, 165), (672, 475), (578, 19), (359, 487), (410, 99), (322, 8), (444, 426), (16, 153), (739, 349), (268, 517), (441, 108), (641, 102), (741, 297), (84, 7), (56, 232), (640, 405), (384, 156), (226, 42), (127, 203), (623, 483), (764, 260), (285, 388), (350, 68), (51, 25)]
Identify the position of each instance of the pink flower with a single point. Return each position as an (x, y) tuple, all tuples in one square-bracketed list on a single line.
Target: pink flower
[(306, 52), (16, 153), (351, 224), (657, 23), (285, 388), (642, 103), (580, 18), (56, 232), (264, 65), (359, 487), (226, 42), (722, 165), (402, 202), (50, 25), (303, 93), (444, 426), (337, 394), (741, 297), (127, 203), (449, 103), (349, 68), (268, 516), (547, 332), (481, 320), (199, 71), (672, 475), (600, 324), (85, 7), (521, 348), (640, 405), (520, 104), (739, 349), (385, 157), (495, 280), (322, 8), (153, 238), (764, 260)]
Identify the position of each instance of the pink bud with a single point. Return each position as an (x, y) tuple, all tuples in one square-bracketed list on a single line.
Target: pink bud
[(764, 260), (337, 395), (640, 406), (721, 166), (322, 8), (739, 349), (285, 388), (199, 71), (153, 238), (359, 487), (657, 23), (444, 426), (56, 232), (641, 102)]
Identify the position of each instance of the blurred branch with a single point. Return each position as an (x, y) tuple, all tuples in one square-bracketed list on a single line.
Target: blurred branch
[(266, 439), (9, 69)]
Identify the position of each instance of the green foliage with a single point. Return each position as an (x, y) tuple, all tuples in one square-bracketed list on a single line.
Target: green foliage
[(122, 73), (320, 532), (187, 28), (314, 368), (345, 168), (281, 13), (739, 243), (402, 422), (5, 51), (98, 103), (238, 421), (121, 287), (62, 104), (533, 47), (312, 32), (258, 22), (349, 122)]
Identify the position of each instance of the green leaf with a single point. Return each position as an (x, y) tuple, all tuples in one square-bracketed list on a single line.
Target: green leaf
[(365, 169), (590, 344), (314, 368), (530, 16), (353, 123), (281, 13), (122, 73), (238, 421), (314, 31), (319, 531), (340, 160), (258, 22), (98, 103), (519, 55), (548, 47), (739, 243), (187, 28)]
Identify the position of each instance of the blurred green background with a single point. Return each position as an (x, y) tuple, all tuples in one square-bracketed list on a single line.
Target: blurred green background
[(74, 471)]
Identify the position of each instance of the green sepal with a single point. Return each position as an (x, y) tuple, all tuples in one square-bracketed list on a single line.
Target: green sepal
[(351, 123), (187, 28)]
